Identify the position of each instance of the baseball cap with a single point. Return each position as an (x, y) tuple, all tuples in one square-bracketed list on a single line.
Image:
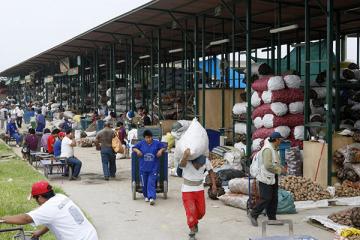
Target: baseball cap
[(40, 187), (275, 135)]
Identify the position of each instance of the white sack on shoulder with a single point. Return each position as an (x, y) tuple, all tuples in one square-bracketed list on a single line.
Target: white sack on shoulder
[(299, 132), (276, 83), (255, 99), (292, 81), (258, 122), (284, 131), (279, 109), (296, 107), (268, 120), (240, 128), (266, 96), (240, 108), (196, 139)]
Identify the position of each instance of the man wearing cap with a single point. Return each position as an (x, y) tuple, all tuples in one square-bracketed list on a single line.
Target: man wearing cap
[(104, 144), (269, 168), (193, 189), (56, 213)]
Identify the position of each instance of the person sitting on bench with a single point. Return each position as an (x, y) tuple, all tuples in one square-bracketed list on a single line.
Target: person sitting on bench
[(67, 151), (13, 132)]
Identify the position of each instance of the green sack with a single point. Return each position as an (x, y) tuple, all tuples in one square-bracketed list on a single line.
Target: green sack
[(285, 203)]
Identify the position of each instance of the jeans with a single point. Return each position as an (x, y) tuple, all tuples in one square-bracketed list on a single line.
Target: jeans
[(19, 121), (148, 182), (17, 137), (108, 159), (76, 164), (268, 200)]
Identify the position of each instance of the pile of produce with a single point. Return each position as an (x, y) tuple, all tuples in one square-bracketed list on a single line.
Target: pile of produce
[(348, 189), (348, 217), (86, 142), (216, 160), (347, 161), (303, 189)]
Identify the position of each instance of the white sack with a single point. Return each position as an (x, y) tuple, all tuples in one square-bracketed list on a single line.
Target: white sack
[(108, 92), (255, 99), (292, 81), (235, 200), (240, 128), (120, 97), (91, 134), (279, 109), (266, 96), (268, 120), (196, 139), (296, 107), (240, 146), (276, 83), (284, 131), (108, 103), (258, 122), (240, 185), (240, 108), (320, 91), (299, 132), (256, 144)]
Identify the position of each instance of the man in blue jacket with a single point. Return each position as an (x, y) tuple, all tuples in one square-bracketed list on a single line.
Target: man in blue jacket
[(13, 131), (149, 151)]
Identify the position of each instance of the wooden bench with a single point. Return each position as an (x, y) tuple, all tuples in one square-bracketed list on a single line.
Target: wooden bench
[(55, 166)]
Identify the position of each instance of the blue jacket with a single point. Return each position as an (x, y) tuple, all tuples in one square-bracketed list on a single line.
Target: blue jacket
[(149, 162), (11, 128)]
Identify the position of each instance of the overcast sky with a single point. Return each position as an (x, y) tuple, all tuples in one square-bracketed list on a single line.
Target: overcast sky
[(28, 27)]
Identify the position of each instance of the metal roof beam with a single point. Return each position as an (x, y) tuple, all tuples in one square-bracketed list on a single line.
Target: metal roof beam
[(77, 46), (133, 23), (93, 40), (231, 11), (113, 33)]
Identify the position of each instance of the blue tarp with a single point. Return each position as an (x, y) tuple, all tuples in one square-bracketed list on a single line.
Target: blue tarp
[(215, 62)]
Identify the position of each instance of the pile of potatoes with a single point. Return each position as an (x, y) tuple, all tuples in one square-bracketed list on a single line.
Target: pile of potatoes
[(348, 189), (344, 217), (216, 160), (303, 189)]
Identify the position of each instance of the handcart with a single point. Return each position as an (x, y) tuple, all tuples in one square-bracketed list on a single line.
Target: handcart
[(291, 235), (162, 182), (20, 235)]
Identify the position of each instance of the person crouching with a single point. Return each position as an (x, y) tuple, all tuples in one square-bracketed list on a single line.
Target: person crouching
[(193, 189), (149, 151)]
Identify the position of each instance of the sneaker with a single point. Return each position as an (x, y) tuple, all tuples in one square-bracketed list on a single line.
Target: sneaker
[(192, 235), (253, 220), (146, 199), (152, 202)]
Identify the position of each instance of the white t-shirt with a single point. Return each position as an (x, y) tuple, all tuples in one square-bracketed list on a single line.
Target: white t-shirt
[(64, 219), (19, 112), (43, 110), (193, 174), (132, 134), (66, 149)]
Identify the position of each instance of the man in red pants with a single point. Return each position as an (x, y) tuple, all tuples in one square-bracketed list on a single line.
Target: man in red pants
[(193, 189)]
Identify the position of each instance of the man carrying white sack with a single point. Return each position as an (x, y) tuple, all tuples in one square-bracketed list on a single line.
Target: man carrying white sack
[(193, 189), (266, 167)]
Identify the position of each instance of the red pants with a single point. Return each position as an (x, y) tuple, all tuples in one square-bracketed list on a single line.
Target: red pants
[(194, 204)]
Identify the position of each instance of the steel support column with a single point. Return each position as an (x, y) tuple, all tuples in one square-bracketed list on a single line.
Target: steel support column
[(233, 64), (307, 69), (288, 57), (196, 69), (357, 49), (112, 65), (278, 49), (329, 74), (248, 77), (132, 77), (96, 79), (337, 68), (82, 84), (152, 77), (203, 71), (273, 52), (159, 73)]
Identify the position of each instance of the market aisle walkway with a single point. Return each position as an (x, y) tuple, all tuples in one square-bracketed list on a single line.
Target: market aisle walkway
[(117, 217)]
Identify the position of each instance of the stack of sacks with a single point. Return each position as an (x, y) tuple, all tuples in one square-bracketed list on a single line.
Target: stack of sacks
[(278, 106), (239, 116)]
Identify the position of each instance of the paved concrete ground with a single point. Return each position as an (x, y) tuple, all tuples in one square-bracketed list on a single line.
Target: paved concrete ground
[(117, 216)]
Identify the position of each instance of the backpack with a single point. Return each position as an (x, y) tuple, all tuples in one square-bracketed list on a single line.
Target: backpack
[(255, 166), (116, 144)]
